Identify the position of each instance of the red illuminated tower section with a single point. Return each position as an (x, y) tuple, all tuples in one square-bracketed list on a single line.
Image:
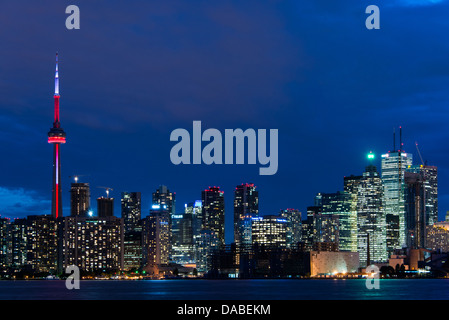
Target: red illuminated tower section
[(56, 136)]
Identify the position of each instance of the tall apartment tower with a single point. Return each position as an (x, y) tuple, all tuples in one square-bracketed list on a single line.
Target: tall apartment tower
[(156, 239), (105, 207), (213, 212), (79, 199), (246, 201)]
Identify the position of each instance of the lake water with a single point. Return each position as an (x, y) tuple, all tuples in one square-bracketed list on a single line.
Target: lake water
[(351, 289)]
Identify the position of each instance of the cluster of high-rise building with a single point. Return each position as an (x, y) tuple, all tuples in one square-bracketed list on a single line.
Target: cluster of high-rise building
[(374, 217)]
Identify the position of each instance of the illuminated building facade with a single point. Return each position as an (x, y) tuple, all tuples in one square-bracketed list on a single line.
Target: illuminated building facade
[(42, 248), (131, 211), (246, 201), (208, 244), (213, 212), (294, 224), (4, 238), (92, 243), (394, 165), (437, 237), (342, 204), (156, 237), (164, 198), (331, 263), (132, 250), (269, 231), (18, 235), (367, 191)]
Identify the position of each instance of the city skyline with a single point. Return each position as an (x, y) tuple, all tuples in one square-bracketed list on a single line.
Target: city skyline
[(101, 113)]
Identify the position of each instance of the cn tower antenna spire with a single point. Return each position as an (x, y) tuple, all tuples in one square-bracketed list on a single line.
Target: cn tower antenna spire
[(56, 77)]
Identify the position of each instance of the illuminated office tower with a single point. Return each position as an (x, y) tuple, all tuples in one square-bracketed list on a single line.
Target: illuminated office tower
[(246, 201), (156, 238), (92, 243), (105, 207), (42, 253), (269, 231), (367, 191), (164, 198), (394, 164), (342, 205), (132, 250), (329, 229), (213, 212), (185, 231), (415, 209), (196, 210), (294, 224), (430, 174), (131, 211), (311, 227), (208, 244), (79, 199)]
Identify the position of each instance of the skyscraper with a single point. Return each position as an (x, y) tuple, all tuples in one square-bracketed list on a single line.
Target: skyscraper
[(56, 136), (430, 175), (342, 205), (415, 209), (394, 164), (213, 212), (246, 201), (105, 207), (294, 224), (163, 197), (131, 210), (79, 199), (371, 233), (156, 240)]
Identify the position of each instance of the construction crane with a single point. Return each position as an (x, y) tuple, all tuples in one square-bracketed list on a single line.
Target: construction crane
[(419, 153), (107, 190), (76, 176)]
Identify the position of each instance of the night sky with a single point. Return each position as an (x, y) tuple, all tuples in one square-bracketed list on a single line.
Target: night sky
[(134, 72)]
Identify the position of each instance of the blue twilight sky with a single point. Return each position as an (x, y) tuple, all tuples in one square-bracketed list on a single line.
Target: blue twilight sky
[(134, 72)]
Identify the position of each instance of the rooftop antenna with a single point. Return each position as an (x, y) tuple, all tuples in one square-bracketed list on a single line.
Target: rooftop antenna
[(394, 140), (400, 138)]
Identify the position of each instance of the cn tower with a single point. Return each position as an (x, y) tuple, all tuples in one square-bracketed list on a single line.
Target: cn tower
[(56, 136)]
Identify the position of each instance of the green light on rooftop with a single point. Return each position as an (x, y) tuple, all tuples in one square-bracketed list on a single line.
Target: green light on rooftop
[(370, 155)]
